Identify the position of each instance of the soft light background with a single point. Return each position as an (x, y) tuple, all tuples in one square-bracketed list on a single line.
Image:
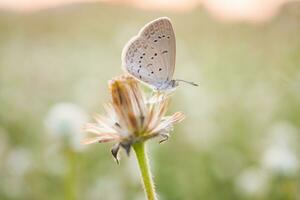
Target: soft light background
[(241, 136)]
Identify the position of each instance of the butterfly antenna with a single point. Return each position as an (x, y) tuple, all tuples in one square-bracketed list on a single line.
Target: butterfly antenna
[(191, 83)]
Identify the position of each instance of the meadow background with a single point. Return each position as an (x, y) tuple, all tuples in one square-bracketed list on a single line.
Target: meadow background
[(240, 139)]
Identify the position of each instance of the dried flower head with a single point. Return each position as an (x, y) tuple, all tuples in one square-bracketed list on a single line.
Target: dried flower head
[(130, 118)]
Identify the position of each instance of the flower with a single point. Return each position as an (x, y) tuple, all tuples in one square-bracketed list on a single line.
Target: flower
[(279, 154), (252, 182), (64, 121), (130, 117), (280, 160)]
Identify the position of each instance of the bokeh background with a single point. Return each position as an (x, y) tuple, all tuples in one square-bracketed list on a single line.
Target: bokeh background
[(240, 139)]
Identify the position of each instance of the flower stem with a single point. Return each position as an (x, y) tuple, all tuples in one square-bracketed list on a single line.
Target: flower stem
[(140, 151), (70, 182)]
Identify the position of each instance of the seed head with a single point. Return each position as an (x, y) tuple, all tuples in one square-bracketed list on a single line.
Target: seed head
[(130, 117)]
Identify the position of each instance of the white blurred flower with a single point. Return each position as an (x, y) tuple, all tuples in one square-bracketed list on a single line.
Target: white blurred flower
[(19, 161), (280, 160), (279, 155), (252, 182), (17, 164), (65, 121)]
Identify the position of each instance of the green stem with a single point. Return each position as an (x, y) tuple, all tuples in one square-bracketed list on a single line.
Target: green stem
[(70, 190), (143, 162)]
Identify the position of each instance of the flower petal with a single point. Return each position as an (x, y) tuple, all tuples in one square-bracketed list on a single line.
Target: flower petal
[(98, 130), (175, 118), (108, 123), (101, 138), (167, 123), (156, 112), (104, 122), (122, 103)]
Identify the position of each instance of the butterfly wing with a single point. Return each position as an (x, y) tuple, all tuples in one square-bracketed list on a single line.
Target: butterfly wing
[(160, 34), (150, 56), (136, 60)]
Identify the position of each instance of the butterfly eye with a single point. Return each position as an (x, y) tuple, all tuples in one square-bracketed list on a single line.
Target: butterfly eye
[(159, 69), (155, 54), (155, 41)]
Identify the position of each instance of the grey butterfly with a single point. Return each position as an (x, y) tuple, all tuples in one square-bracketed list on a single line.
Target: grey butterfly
[(150, 56)]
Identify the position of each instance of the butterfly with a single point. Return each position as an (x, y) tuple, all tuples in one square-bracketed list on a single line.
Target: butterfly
[(150, 56)]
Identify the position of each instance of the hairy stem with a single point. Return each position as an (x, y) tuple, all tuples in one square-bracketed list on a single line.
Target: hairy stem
[(140, 151)]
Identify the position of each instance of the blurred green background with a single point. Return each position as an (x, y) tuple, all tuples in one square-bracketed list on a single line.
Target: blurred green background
[(240, 139)]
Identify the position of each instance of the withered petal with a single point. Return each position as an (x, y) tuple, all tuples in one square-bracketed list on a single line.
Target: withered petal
[(165, 137), (114, 151), (126, 146)]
